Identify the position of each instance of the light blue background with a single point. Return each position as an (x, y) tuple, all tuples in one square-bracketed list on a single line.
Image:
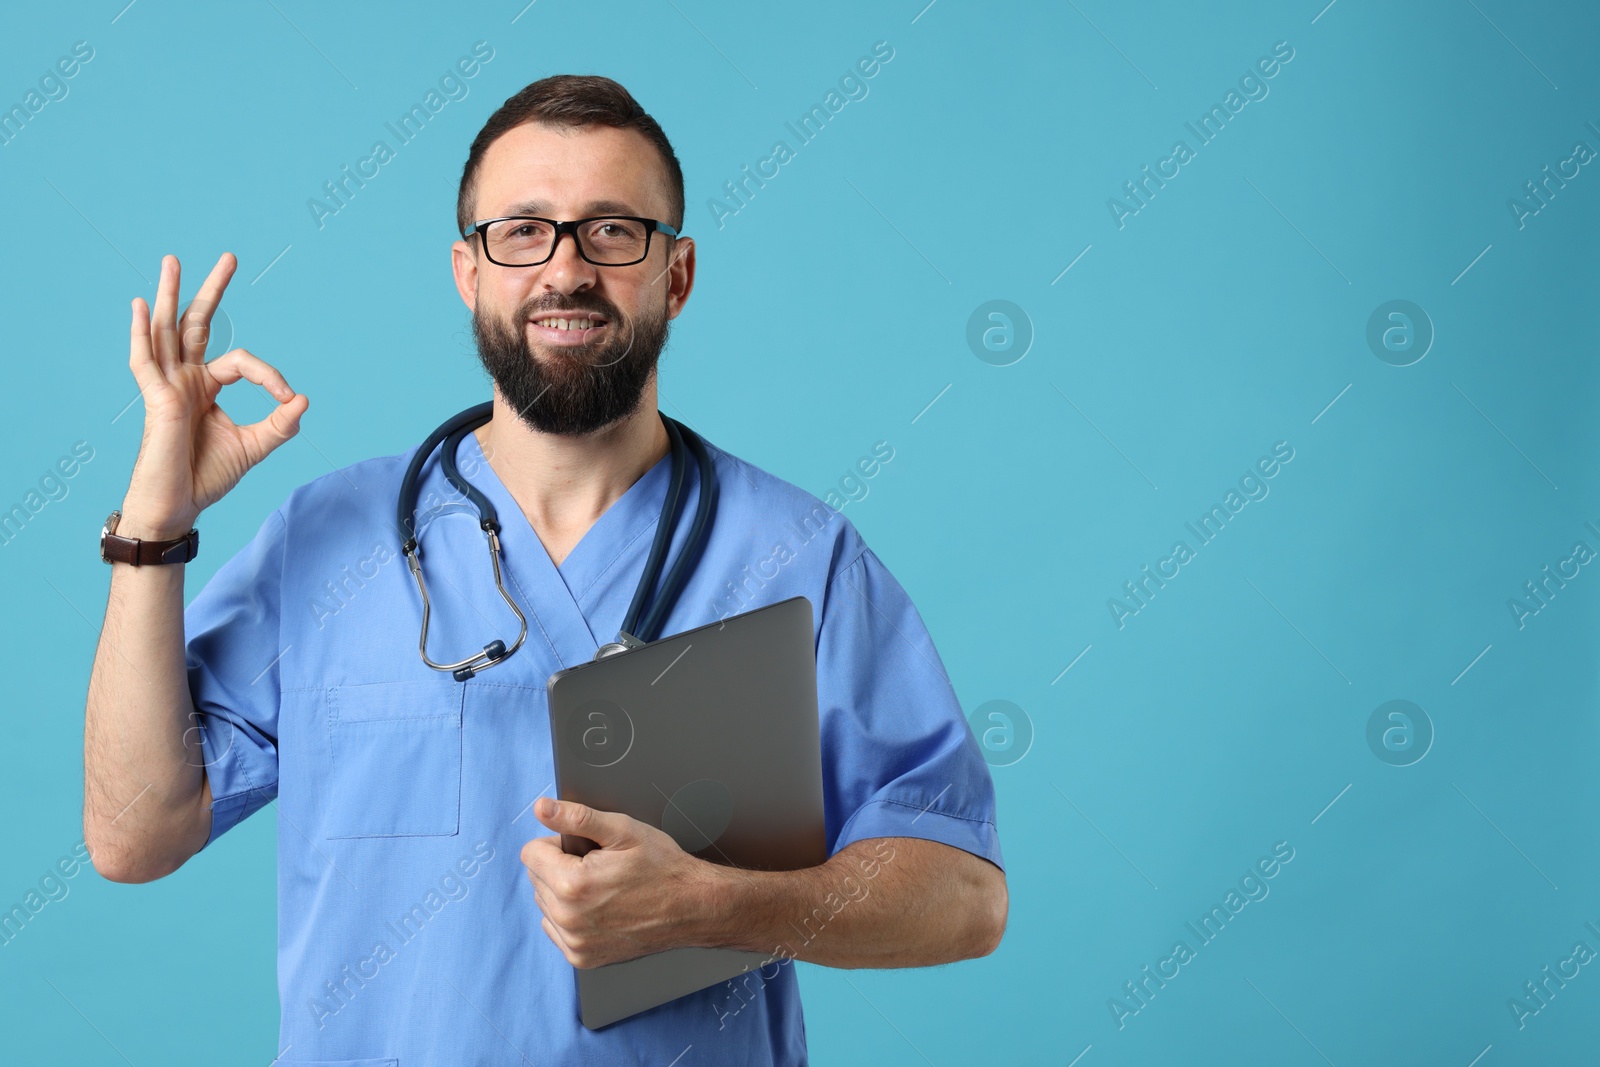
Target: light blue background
[(1227, 315)]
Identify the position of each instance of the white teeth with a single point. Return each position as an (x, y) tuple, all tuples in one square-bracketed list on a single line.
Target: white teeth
[(569, 324)]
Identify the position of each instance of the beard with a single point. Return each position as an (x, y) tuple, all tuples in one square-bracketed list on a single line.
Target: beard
[(572, 390)]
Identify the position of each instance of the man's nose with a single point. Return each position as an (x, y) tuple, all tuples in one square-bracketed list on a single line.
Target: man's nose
[(567, 270)]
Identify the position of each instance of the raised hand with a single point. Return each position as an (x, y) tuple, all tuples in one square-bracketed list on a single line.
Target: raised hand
[(192, 453)]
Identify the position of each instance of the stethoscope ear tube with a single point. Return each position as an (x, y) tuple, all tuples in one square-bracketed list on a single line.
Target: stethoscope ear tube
[(650, 628), (487, 516), (406, 506), (658, 545)]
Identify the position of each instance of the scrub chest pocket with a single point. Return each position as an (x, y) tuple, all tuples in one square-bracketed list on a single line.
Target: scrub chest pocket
[(395, 768)]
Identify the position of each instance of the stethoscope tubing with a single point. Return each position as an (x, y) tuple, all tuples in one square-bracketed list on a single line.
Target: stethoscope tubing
[(684, 442)]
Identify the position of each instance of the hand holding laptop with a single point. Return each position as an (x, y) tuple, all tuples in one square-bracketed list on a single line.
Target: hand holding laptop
[(634, 893)]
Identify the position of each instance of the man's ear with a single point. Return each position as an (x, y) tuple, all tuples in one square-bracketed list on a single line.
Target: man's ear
[(680, 279), (464, 264)]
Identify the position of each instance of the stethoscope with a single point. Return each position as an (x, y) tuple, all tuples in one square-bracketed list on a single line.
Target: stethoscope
[(635, 632)]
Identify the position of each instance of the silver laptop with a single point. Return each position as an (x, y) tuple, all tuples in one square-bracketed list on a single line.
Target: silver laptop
[(710, 735)]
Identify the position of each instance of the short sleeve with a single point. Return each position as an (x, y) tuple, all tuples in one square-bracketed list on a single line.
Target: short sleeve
[(232, 656), (898, 758)]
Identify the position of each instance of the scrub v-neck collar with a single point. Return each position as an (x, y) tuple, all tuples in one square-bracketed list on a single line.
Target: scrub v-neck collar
[(563, 597)]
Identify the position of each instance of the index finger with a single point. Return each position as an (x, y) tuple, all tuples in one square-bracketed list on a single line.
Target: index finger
[(197, 316), (545, 853)]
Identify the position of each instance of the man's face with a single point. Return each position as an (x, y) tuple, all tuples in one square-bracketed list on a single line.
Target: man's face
[(564, 380)]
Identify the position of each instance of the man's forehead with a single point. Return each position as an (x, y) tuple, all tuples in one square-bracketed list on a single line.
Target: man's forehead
[(535, 169), (541, 206)]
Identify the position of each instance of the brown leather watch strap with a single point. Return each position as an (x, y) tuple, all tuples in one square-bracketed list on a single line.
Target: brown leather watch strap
[(140, 553)]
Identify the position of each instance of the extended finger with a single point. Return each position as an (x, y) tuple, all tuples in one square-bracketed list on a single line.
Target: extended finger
[(197, 316), (163, 320), (141, 359)]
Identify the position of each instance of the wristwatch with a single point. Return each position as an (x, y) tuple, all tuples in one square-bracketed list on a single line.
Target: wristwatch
[(114, 549)]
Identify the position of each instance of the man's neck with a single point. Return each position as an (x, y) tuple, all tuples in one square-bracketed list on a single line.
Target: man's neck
[(563, 484)]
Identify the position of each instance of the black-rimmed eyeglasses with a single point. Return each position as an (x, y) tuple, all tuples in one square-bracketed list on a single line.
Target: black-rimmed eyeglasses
[(605, 240)]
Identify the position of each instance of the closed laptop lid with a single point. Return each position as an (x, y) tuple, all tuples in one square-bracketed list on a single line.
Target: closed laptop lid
[(712, 736)]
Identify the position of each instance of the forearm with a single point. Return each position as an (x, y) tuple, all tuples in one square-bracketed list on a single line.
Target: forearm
[(882, 902), (143, 767)]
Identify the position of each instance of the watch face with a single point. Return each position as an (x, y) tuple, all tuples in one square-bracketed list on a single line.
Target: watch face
[(105, 531)]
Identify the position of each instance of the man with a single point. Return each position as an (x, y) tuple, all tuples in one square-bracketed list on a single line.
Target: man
[(403, 795)]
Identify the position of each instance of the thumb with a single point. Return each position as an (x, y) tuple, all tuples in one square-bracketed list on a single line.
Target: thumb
[(283, 422), (606, 828), (280, 425)]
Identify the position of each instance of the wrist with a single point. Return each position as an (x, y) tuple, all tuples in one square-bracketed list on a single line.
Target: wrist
[(147, 525), (731, 907), (146, 540), (714, 898), (130, 528)]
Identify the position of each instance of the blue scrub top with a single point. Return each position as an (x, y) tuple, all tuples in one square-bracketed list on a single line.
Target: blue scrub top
[(408, 932)]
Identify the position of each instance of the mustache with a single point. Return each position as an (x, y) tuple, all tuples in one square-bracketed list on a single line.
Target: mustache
[(545, 308)]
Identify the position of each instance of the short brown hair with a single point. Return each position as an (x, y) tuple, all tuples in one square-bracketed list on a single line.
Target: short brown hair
[(567, 101)]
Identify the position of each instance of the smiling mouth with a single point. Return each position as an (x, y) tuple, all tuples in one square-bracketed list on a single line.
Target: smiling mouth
[(575, 329)]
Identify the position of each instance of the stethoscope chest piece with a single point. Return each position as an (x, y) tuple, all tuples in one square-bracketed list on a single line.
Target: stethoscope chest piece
[(623, 642)]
